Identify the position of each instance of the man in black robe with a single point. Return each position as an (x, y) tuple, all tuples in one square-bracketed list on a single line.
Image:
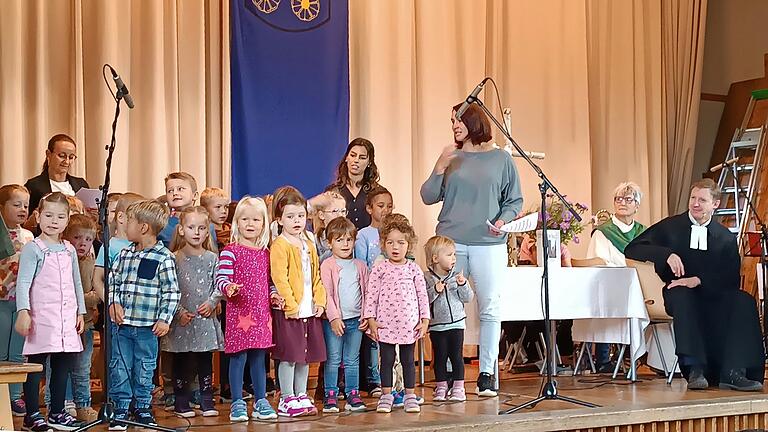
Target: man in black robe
[(716, 324)]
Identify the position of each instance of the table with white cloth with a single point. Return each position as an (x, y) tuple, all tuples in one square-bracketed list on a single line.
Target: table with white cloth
[(605, 304)]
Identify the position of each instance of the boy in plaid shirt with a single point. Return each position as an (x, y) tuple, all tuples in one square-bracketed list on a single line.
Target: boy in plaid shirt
[(143, 297)]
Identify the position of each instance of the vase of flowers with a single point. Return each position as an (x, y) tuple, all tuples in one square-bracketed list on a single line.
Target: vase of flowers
[(559, 218)]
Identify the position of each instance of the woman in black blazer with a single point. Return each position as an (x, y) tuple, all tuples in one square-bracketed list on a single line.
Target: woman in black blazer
[(59, 158)]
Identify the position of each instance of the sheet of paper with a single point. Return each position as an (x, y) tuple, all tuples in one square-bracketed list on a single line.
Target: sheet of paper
[(524, 224), (89, 197)]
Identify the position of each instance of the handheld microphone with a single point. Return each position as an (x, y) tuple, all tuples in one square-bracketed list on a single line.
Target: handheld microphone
[(121, 87), (470, 99), (725, 164)]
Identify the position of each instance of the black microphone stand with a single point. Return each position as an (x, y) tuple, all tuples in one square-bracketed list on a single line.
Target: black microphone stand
[(107, 411), (549, 390)]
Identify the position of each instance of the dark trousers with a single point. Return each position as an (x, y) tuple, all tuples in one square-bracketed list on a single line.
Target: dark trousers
[(185, 367), (61, 366), (388, 362), (448, 344)]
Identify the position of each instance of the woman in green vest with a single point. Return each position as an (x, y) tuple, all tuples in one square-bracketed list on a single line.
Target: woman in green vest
[(608, 242)]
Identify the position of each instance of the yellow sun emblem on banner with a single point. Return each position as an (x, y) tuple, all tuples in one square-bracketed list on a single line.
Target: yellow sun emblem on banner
[(305, 10)]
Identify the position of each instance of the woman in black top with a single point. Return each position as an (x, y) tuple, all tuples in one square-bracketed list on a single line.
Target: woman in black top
[(357, 175)]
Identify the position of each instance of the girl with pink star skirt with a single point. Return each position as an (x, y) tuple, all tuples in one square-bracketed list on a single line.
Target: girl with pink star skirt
[(243, 278)]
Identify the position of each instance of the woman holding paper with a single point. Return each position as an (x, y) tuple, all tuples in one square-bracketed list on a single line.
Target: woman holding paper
[(59, 158), (477, 183)]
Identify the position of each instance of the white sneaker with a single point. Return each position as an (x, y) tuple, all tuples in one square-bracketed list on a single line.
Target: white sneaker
[(71, 408), (306, 403)]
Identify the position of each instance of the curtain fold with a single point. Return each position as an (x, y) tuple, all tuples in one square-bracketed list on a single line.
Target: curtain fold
[(174, 57)]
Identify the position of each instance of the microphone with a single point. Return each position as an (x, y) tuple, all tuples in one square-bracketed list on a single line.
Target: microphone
[(725, 164), (530, 154), (470, 99), (121, 87)]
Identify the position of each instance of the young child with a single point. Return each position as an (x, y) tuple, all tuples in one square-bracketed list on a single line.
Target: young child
[(328, 207), (195, 331), (144, 296), (397, 309), (14, 208), (378, 204), (298, 330), (81, 232), (50, 305), (180, 194), (216, 201), (345, 280), (244, 279), (75, 205), (447, 291)]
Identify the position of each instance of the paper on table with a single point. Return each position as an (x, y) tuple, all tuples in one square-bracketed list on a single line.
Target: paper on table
[(524, 224), (89, 197)]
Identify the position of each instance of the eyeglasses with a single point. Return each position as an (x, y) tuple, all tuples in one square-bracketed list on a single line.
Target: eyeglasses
[(337, 212), (65, 156), (624, 200)]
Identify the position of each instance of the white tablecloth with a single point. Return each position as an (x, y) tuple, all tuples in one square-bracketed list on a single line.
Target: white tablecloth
[(605, 304)]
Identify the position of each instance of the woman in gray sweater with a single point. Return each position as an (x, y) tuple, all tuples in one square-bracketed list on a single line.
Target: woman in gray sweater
[(477, 182)]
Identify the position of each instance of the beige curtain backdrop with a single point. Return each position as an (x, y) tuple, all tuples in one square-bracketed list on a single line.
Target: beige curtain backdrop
[(174, 57)]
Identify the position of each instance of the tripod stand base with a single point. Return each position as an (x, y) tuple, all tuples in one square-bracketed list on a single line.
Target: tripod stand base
[(107, 417), (549, 392)]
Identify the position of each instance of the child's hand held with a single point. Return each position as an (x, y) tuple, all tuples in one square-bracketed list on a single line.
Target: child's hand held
[(117, 313), (80, 324), (233, 289), (160, 328), (23, 323), (319, 311), (337, 327), (373, 326), (205, 310), (421, 328)]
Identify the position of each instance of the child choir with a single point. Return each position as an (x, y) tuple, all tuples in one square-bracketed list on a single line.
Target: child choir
[(294, 292)]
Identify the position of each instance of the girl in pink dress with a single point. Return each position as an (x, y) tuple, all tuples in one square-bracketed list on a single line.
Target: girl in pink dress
[(243, 278), (397, 309)]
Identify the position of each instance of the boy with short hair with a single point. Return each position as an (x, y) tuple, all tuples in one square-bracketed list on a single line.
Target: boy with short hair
[(180, 194), (216, 201), (145, 298)]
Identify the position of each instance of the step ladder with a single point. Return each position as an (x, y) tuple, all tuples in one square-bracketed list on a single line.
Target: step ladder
[(737, 182)]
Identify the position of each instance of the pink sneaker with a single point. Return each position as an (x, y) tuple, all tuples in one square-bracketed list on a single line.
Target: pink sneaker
[(306, 403), (290, 407), (441, 391), (458, 394)]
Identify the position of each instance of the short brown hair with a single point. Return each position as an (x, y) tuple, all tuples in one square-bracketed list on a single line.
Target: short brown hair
[(53, 198), (212, 192), (80, 222), (434, 245), (8, 190), (477, 123), (339, 227), (398, 222), (378, 190), (181, 175), (125, 200), (708, 183), (149, 212)]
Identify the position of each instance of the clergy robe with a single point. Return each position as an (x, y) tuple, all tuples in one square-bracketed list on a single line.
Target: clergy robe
[(715, 323)]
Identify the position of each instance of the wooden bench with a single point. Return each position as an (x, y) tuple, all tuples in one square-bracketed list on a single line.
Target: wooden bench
[(11, 373)]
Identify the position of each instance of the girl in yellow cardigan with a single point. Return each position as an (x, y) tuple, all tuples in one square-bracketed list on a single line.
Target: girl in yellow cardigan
[(298, 330)]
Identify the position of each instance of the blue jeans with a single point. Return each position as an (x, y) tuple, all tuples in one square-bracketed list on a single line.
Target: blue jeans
[(344, 348), (79, 382), (132, 365), (11, 343)]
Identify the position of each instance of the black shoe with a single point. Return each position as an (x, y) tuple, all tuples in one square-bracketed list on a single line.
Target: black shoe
[(603, 368), (485, 385), (696, 380), (145, 417), (35, 423), (736, 380)]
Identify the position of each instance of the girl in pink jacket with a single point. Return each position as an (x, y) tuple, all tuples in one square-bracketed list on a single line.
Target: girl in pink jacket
[(344, 279), (50, 305)]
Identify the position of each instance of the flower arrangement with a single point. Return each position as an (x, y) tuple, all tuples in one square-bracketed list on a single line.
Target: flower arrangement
[(560, 218)]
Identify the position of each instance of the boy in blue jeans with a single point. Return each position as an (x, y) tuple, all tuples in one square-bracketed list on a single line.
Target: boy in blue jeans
[(143, 298)]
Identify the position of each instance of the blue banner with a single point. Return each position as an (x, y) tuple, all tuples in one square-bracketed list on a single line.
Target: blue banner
[(290, 93)]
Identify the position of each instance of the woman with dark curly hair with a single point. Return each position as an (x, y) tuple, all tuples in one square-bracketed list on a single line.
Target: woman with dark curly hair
[(357, 174)]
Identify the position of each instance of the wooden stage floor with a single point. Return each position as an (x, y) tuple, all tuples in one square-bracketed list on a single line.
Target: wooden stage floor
[(621, 402)]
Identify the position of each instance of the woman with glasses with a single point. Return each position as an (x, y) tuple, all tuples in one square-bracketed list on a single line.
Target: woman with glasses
[(59, 158), (608, 242)]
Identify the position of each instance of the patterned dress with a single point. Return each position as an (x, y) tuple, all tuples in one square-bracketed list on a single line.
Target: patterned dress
[(9, 267), (397, 299), (196, 283), (248, 319)]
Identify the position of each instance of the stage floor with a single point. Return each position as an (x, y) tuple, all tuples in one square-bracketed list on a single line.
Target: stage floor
[(618, 400)]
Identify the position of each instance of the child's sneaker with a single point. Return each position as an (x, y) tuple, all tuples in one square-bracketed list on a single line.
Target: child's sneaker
[(458, 394), (170, 402), (145, 416), (120, 414), (307, 404), (63, 421), (375, 392), (70, 407), (18, 408), (385, 403), (262, 410), (211, 412), (87, 414), (354, 402), (330, 405), (290, 407), (411, 404), (238, 411), (184, 412), (441, 392), (35, 423)]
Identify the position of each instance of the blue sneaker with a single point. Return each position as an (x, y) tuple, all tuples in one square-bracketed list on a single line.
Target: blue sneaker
[(262, 410), (119, 415), (238, 411), (399, 396)]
